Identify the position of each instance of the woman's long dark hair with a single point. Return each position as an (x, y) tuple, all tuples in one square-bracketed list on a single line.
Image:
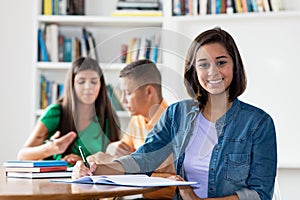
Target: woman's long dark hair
[(104, 112)]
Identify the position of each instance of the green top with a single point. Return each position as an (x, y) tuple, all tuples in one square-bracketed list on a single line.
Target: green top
[(91, 138)]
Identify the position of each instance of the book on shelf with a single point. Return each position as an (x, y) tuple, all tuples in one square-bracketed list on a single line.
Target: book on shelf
[(36, 169), (75, 7), (155, 51), (238, 6), (93, 53), (54, 91), (89, 44), (32, 175), (254, 6), (138, 4), (138, 180), (47, 7), (34, 163), (176, 8), (116, 104), (266, 4), (63, 7), (43, 94), (52, 41), (124, 49), (60, 48), (142, 49), (43, 54), (50, 91), (67, 50), (136, 49)]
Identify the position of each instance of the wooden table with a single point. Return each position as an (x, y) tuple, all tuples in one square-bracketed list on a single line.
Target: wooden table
[(25, 189)]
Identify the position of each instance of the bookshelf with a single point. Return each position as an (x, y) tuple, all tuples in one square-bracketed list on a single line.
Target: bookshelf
[(110, 32)]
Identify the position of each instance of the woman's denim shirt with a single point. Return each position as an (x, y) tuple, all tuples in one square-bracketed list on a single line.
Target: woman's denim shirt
[(243, 162)]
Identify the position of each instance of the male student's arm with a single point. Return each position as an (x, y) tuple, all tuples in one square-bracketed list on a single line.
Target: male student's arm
[(119, 149), (126, 145)]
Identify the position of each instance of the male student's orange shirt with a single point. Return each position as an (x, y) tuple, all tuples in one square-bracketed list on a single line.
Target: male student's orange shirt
[(138, 128), (135, 136)]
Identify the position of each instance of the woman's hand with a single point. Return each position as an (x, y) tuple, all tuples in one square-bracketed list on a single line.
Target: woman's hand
[(186, 192), (80, 170), (72, 158), (60, 144)]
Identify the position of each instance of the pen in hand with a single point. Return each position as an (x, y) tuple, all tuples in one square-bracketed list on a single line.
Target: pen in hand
[(83, 157)]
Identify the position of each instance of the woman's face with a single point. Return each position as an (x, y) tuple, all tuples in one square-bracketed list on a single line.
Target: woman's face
[(87, 85), (214, 67)]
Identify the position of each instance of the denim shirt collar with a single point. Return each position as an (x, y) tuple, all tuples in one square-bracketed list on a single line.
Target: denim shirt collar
[(228, 116)]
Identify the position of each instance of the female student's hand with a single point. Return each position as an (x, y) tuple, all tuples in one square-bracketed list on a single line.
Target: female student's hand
[(60, 144), (186, 192), (72, 158), (80, 169)]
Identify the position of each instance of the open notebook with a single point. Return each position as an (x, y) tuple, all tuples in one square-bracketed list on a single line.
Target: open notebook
[(128, 180)]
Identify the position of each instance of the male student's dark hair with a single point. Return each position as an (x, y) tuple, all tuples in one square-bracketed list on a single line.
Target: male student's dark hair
[(144, 72)]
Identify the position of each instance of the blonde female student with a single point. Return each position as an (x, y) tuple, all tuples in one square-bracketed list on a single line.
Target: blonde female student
[(226, 145), (83, 116)]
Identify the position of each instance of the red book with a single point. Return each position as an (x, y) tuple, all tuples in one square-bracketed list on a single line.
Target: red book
[(36, 169)]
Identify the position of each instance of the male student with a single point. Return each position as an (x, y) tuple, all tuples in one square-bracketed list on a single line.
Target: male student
[(140, 82)]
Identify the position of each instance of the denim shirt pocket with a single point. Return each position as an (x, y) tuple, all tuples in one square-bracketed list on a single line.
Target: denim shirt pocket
[(237, 167)]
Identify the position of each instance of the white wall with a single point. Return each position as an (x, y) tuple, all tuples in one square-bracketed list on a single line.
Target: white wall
[(16, 52)]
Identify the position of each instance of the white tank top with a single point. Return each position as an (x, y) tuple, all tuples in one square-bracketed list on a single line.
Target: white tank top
[(198, 154)]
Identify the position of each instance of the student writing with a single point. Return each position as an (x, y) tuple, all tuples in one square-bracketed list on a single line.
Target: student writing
[(140, 83)]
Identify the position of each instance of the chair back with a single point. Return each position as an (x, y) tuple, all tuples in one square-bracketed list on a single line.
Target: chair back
[(276, 195)]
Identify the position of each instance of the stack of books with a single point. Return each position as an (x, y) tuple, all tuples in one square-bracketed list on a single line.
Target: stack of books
[(138, 8), (37, 169)]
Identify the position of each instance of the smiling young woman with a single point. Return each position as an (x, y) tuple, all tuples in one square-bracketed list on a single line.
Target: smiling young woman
[(216, 139)]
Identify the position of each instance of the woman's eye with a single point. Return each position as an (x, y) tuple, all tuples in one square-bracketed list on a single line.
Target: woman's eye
[(204, 65), (94, 82), (80, 82), (220, 63)]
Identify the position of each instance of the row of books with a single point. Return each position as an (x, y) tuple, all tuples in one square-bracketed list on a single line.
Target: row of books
[(63, 7), (37, 169), (55, 47), (141, 48), (204, 7), (50, 91)]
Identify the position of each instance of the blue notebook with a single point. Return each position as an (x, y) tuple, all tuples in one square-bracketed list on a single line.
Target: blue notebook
[(34, 163)]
